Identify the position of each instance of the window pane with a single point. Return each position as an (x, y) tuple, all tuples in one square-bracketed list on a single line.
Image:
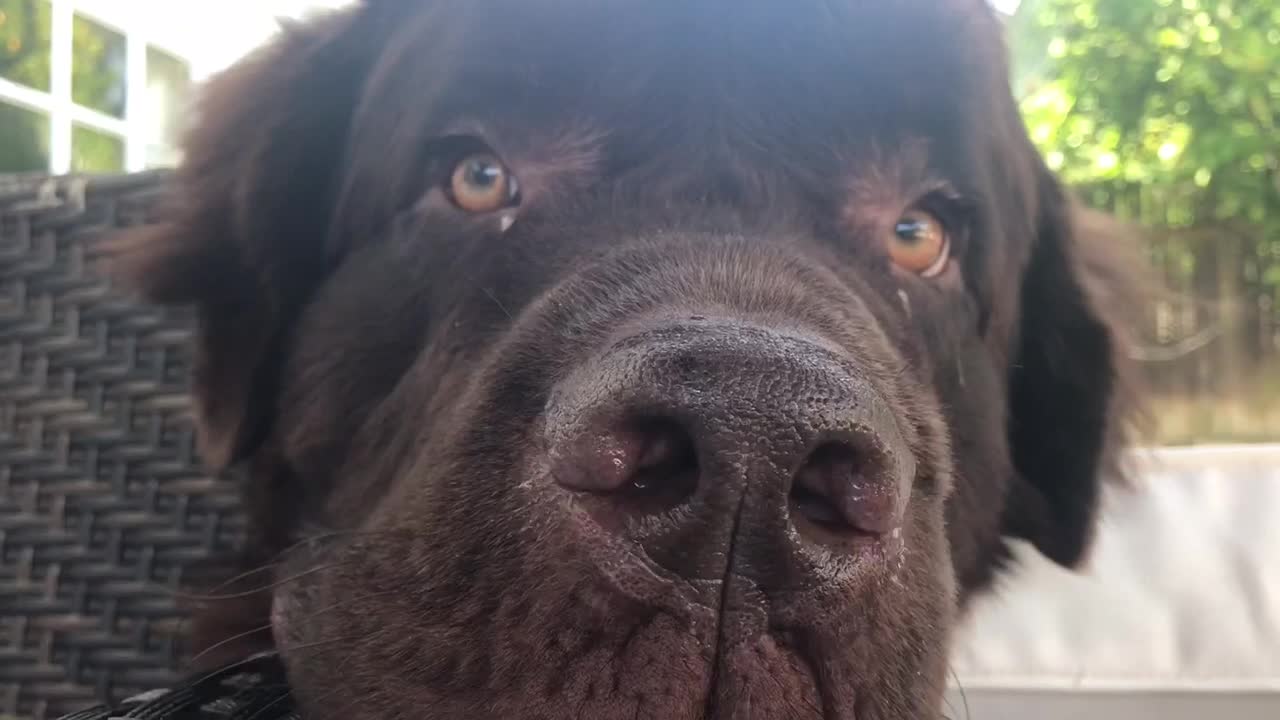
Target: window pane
[(24, 140), (24, 42), (168, 90), (94, 151), (98, 67)]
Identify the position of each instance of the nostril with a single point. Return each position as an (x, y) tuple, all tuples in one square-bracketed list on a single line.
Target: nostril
[(840, 489), (649, 464), (667, 468)]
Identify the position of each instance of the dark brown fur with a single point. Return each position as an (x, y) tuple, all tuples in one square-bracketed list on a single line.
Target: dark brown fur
[(381, 362)]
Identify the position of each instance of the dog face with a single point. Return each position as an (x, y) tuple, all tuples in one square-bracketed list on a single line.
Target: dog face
[(618, 359)]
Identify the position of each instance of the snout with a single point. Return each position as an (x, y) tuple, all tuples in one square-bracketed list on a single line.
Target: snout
[(723, 446)]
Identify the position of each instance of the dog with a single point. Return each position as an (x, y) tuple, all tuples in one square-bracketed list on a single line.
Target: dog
[(621, 359)]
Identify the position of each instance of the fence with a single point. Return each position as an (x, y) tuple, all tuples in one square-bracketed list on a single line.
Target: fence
[(1211, 335)]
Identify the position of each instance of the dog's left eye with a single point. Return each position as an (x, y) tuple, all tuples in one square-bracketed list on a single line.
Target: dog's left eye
[(480, 183), (919, 243)]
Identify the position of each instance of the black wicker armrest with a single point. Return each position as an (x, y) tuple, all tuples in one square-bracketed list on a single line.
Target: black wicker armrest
[(104, 507)]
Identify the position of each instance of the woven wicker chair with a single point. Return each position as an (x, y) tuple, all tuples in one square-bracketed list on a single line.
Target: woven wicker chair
[(103, 503)]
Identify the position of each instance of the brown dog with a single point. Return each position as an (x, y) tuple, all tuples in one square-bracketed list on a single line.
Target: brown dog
[(634, 359)]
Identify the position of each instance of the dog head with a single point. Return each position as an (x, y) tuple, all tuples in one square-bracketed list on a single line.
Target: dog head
[(619, 359)]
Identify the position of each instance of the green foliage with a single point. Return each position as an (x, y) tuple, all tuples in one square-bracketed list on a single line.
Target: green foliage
[(1178, 95), (24, 59), (98, 67), (95, 152), (97, 82), (24, 42), (1167, 112)]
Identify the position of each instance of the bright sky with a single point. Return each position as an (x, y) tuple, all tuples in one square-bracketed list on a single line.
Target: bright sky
[(211, 33), (238, 26), (214, 33)]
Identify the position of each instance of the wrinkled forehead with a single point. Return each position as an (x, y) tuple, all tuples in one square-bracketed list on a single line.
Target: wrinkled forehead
[(764, 74)]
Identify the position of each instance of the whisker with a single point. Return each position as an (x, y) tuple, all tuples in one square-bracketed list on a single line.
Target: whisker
[(964, 699), (292, 649), (302, 619), (269, 586), (950, 710), (497, 302), (272, 563), (286, 695), (275, 561), (319, 643), (195, 659)]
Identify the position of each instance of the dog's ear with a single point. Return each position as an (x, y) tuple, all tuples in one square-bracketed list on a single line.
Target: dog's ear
[(242, 236), (1071, 386)]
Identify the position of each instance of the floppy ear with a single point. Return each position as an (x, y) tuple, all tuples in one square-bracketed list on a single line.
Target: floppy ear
[(1071, 382), (242, 237)]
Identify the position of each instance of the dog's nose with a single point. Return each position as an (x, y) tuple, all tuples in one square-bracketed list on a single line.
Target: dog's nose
[(696, 421)]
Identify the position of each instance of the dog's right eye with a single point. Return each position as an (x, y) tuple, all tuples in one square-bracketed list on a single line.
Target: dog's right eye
[(480, 183), (919, 243)]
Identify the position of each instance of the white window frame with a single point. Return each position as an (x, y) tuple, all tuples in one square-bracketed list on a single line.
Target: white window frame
[(63, 113)]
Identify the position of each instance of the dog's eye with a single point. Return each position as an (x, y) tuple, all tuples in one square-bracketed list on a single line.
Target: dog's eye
[(919, 243), (482, 184)]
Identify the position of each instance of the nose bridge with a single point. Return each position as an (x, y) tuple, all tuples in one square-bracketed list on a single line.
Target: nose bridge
[(755, 399), (755, 395)]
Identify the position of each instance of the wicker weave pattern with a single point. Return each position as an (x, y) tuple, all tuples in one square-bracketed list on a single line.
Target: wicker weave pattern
[(102, 500)]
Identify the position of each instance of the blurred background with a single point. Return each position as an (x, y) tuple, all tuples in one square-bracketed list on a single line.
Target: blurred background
[(1164, 112)]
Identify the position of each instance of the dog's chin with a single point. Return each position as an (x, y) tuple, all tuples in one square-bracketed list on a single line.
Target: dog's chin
[(645, 665), (383, 627)]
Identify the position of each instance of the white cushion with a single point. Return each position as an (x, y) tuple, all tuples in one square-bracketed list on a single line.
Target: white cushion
[(1176, 612)]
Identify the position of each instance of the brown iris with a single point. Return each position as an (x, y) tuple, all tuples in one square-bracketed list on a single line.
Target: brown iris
[(919, 243), (482, 184)]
